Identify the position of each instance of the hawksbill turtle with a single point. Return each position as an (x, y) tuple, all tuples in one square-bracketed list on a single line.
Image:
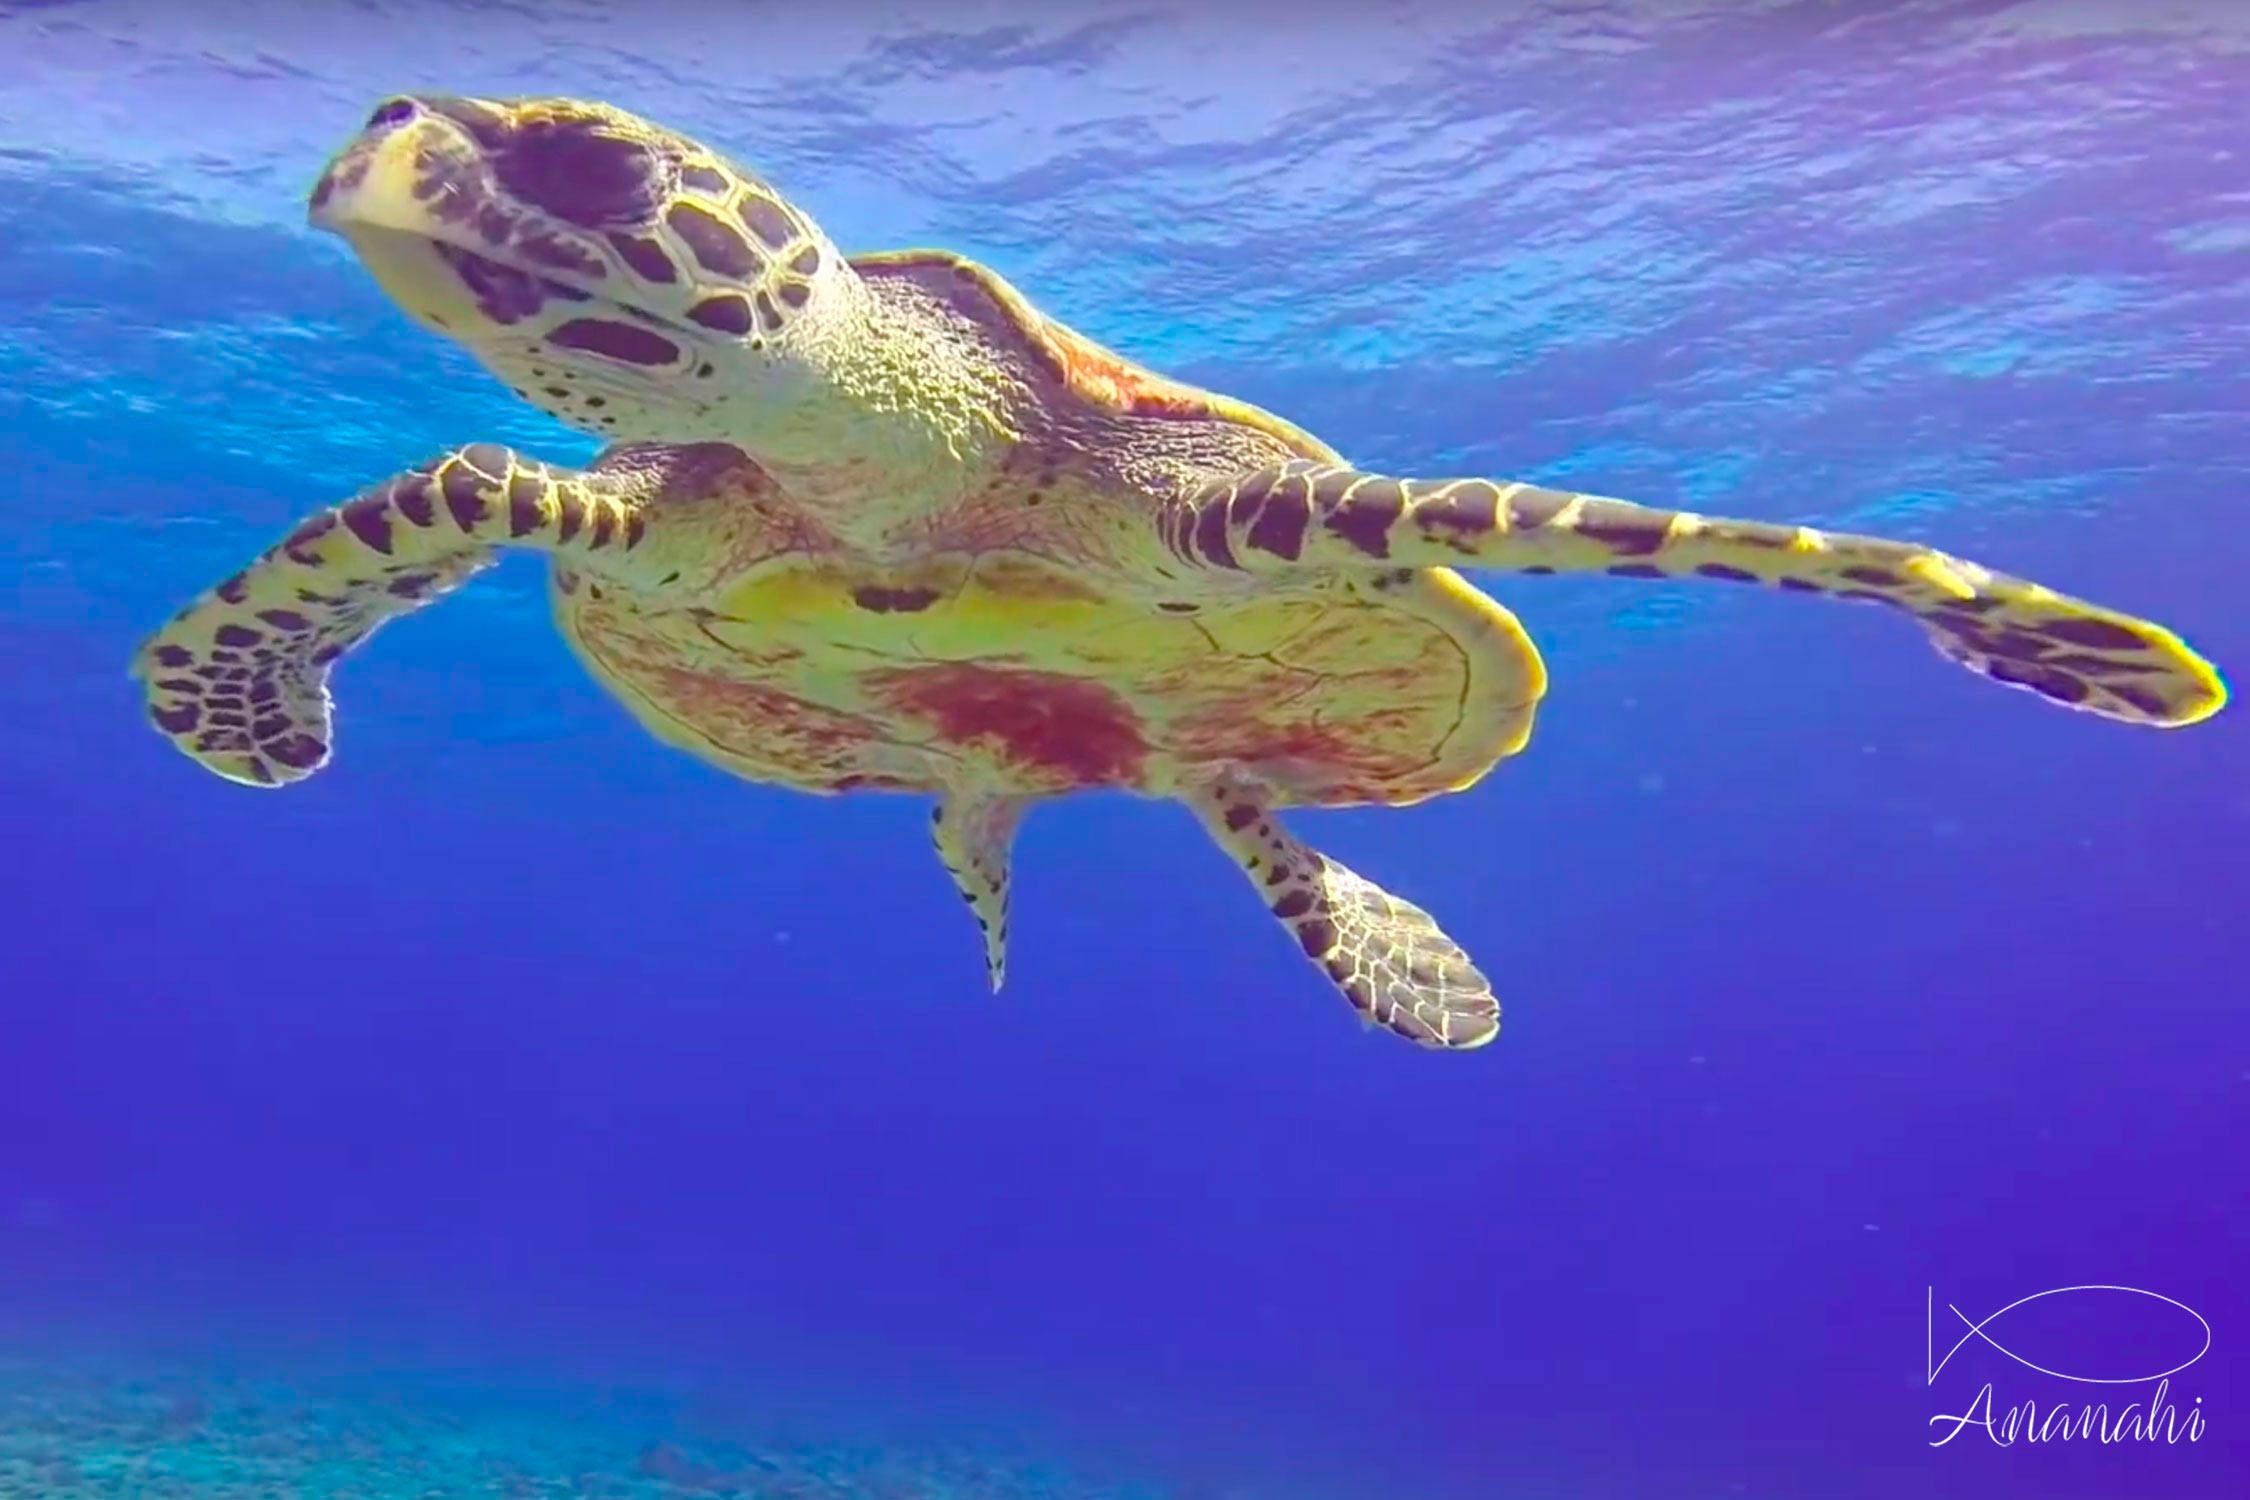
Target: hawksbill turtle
[(875, 522)]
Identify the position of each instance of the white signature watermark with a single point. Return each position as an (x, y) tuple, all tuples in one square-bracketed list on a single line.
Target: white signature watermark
[(2136, 1416)]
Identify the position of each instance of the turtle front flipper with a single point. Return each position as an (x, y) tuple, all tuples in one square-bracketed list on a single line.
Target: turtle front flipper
[(239, 679), (1305, 514), (974, 833), (1386, 956)]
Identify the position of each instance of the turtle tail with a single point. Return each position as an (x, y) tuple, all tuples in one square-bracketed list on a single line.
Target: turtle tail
[(2013, 631)]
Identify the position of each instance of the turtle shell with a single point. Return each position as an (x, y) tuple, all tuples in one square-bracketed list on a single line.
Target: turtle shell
[(1009, 669), (1010, 672), (1094, 373)]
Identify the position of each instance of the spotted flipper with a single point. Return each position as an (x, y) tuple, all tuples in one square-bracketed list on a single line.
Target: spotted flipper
[(1306, 514), (974, 832), (239, 679), (1386, 956)]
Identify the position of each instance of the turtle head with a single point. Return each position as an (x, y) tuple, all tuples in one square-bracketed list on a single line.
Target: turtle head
[(619, 276)]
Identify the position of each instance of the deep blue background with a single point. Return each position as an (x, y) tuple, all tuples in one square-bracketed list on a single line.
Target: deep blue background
[(517, 1042)]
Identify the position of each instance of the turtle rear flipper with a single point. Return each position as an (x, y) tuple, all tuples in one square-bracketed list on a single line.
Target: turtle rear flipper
[(239, 679), (1308, 514), (1386, 956)]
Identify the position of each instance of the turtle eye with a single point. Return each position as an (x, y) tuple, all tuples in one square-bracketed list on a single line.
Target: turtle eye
[(579, 174)]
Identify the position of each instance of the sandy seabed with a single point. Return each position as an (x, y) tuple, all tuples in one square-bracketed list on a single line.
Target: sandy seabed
[(77, 1431)]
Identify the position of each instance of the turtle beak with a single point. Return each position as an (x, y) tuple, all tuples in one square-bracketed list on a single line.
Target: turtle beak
[(344, 173), (406, 168), (405, 189)]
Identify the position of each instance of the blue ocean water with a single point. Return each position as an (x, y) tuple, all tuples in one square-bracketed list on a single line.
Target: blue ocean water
[(522, 1108)]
